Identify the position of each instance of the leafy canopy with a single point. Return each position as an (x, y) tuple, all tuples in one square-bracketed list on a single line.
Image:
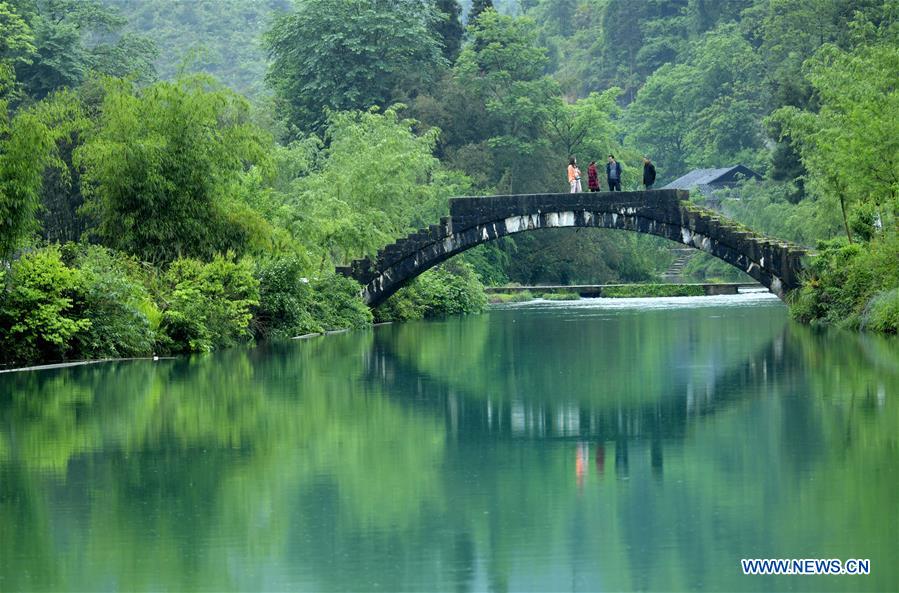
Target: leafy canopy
[(28, 145), (162, 169), (850, 146), (350, 54), (378, 180), (71, 38)]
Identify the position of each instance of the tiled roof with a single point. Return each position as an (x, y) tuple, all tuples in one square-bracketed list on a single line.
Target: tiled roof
[(704, 177)]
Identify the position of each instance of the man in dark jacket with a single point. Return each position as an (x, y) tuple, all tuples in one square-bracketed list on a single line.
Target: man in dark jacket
[(649, 173), (613, 173)]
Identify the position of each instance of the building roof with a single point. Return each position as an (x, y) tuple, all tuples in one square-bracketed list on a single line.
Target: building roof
[(704, 178)]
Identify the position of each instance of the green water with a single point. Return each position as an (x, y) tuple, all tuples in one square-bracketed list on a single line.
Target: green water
[(544, 447)]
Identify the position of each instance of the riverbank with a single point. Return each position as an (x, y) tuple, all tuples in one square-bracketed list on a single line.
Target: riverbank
[(852, 286), (76, 302)]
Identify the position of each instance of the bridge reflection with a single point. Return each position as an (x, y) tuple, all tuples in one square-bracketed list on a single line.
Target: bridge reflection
[(496, 412)]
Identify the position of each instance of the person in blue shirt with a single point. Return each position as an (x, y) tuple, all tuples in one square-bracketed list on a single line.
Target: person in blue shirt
[(613, 173)]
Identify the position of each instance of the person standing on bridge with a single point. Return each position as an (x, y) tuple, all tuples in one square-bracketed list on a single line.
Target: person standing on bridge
[(649, 173), (574, 176), (593, 177), (613, 174)]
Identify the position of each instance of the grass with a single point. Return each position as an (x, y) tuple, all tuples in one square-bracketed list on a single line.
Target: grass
[(624, 291), (497, 298), (561, 296), (652, 290)]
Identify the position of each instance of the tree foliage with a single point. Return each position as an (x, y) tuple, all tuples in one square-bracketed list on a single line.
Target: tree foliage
[(182, 180), (850, 144), (71, 38), (29, 145), (449, 28), (223, 39), (378, 180), (207, 306), (162, 166), (38, 317), (502, 69), (477, 8), (350, 54)]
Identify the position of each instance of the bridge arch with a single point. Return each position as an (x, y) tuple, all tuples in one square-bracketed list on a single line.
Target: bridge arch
[(664, 213)]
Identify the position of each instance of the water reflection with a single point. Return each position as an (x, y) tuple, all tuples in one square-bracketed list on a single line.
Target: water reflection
[(528, 449)]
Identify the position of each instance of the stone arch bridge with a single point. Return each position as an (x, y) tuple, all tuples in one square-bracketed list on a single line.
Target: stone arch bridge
[(666, 213)]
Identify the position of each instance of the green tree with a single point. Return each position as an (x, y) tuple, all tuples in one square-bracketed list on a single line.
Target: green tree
[(163, 166), (16, 48), (223, 39), (659, 118), (209, 305), (378, 180), (477, 8), (123, 317), (585, 127), (705, 111), (28, 145), (503, 69), (74, 37), (38, 318), (637, 38), (350, 54), (449, 28), (850, 146)]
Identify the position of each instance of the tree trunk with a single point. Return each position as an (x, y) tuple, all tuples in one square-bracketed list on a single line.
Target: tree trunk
[(845, 220)]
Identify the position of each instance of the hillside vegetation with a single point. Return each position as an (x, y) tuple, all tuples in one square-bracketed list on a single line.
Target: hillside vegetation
[(183, 175)]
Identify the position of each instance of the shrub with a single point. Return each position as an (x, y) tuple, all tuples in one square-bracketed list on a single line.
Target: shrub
[(337, 303), (207, 306), (863, 221), (406, 304), (510, 297), (38, 318), (849, 284), (652, 290), (882, 312), (707, 268), (285, 300), (561, 296), (123, 317), (449, 289)]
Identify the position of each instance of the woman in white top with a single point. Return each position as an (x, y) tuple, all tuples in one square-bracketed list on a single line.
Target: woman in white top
[(574, 176)]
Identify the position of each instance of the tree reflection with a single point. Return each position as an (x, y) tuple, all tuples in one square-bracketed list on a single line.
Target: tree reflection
[(466, 454)]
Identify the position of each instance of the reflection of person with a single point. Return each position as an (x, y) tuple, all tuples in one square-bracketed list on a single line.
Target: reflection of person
[(574, 176), (621, 457), (613, 174), (593, 177), (600, 458), (580, 463)]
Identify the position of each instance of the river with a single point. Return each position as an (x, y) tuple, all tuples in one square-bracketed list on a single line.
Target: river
[(593, 445)]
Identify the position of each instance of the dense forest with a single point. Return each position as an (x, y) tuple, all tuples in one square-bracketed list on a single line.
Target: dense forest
[(184, 175)]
